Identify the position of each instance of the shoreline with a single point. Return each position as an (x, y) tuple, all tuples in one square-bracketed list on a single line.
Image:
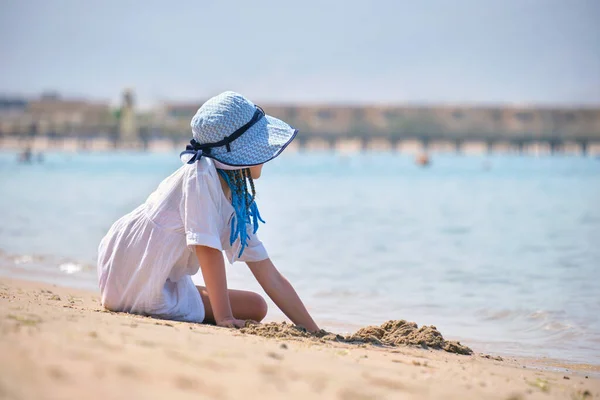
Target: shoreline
[(59, 343), (76, 282)]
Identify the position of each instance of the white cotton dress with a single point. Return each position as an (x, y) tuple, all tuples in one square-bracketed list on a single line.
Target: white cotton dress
[(147, 258)]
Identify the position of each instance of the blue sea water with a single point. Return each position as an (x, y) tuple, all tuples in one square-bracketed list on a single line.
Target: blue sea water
[(500, 252)]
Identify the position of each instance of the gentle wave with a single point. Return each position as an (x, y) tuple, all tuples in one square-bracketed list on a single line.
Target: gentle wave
[(46, 262)]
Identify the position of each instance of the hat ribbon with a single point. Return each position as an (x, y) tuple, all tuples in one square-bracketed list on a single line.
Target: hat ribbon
[(203, 150)]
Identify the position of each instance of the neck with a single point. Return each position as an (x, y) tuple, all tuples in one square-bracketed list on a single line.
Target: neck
[(225, 187)]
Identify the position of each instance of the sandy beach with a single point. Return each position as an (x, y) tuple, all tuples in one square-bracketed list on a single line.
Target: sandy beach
[(58, 343)]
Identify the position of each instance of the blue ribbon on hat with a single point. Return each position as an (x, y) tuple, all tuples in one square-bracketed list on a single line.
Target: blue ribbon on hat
[(203, 150)]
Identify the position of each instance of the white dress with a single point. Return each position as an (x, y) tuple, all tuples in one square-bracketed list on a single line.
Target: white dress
[(147, 258)]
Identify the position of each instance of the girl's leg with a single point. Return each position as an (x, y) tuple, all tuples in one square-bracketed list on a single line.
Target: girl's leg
[(244, 305)]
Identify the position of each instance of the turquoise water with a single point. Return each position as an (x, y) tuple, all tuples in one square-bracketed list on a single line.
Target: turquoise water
[(500, 252)]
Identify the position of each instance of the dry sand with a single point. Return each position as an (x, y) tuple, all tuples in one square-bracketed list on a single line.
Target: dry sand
[(58, 343)]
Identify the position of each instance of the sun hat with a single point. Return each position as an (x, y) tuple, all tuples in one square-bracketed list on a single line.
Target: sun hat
[(236, 133)]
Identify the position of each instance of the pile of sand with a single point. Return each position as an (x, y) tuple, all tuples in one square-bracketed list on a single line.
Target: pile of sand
[(391, 333)]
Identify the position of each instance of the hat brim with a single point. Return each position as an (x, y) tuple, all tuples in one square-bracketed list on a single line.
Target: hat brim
[(264, 141)]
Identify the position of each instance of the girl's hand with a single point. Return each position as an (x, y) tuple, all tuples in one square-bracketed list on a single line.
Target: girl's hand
[(231, 323), (282, 293)]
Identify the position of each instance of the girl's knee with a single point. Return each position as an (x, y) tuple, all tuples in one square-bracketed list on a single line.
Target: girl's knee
[(259, 307)]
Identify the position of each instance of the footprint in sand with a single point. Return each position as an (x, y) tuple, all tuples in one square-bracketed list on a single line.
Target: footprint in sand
[(128, 371), (57, 373)]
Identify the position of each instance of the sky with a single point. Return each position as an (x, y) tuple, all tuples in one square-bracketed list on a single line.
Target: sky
[(427, 51)]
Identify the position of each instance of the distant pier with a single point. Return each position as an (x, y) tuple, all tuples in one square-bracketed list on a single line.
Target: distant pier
[(54, 123)]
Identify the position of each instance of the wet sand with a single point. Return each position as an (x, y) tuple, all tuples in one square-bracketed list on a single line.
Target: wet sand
[(390, 334), (58, 343)]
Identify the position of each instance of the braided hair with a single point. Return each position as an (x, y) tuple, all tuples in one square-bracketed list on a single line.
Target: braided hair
[(244, 204)]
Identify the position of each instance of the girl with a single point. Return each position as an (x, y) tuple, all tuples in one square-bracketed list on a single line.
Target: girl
[(207, 206)]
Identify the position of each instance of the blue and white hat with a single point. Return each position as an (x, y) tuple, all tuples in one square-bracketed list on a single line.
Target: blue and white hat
[(233, 131)]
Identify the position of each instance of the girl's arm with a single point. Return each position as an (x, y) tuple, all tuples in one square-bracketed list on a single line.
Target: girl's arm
[(213, 271), (282, 293)]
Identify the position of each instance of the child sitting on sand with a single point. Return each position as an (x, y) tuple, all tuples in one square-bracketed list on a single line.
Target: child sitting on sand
[(147, 258)]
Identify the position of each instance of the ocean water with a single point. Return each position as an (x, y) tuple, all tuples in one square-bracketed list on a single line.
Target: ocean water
[(500, 252)]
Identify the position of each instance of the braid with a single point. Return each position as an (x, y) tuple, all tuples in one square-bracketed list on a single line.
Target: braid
[(237, 182), (241, 184), (246, 211), (235, 177), (249, 176)]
